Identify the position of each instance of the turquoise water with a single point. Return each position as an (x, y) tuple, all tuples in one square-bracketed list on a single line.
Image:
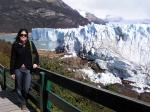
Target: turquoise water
[(11, 38), (8, 37)]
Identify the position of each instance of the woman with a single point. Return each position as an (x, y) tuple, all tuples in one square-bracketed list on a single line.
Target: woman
[(22, 62)]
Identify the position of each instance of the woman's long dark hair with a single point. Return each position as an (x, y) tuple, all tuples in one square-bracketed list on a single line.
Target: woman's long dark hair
[(18, 35)]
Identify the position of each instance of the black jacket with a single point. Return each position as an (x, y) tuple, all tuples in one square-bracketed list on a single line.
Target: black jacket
[(22, 54)]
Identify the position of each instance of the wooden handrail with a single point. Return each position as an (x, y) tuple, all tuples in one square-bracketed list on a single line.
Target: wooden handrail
[(107, 98)]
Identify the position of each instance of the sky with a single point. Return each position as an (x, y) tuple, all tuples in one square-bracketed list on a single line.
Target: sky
[(127, 9)]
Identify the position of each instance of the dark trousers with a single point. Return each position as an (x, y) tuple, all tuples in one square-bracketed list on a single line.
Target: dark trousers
[(23, 81)]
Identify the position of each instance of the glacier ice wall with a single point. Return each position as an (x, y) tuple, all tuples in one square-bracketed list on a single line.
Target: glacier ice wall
[(122, 49), (129, 41)]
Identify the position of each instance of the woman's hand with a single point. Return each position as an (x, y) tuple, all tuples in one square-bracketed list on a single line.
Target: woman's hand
[(35, 65), (13, 76)]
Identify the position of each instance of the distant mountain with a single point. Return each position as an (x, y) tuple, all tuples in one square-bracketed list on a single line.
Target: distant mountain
[(137, 21), (91, 17), (96, 20), (16, 14), (111, 18), (116, 19)]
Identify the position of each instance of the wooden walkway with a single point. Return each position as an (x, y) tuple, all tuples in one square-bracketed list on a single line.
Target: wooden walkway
[(9, 103)]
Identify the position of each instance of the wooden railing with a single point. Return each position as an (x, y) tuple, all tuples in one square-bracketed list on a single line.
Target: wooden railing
[(104, 97)]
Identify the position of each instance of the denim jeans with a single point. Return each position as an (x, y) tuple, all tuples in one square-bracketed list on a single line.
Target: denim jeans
[(23, 81)]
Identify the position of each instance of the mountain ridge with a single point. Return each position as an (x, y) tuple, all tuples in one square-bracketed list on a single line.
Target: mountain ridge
[(16, 14)]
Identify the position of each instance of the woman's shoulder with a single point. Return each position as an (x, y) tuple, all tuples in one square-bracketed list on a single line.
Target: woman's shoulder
[(31, 43), (15, 44)]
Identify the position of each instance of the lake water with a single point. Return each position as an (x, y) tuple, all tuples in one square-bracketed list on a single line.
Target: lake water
[(8, 37), (11, 38)]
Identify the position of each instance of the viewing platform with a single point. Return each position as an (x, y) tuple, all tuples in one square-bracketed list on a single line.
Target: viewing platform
[(9, 103)]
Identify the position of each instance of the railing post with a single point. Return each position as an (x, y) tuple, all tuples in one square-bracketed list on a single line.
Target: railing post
[(49, 88), (4, 73), (43, 93), (3, 78)]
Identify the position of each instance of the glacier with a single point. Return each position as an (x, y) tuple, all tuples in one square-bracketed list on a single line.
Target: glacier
[(123, 50)]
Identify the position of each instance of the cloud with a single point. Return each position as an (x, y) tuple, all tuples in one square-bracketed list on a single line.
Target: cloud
[(130, 9)]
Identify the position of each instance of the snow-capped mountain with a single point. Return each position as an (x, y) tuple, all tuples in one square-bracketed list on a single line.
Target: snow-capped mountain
[(123, 50), (111, 18), (91, 17)]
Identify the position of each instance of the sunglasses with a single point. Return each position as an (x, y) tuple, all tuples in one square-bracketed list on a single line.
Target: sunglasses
[(25, 35)]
